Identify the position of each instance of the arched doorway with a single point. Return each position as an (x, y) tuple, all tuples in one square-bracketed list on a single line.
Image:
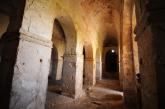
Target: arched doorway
[(111, 64), (110, 58), (111, 61), (56, 62)]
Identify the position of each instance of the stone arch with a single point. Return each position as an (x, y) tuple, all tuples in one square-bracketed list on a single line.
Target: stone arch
[(89, 66), (72, 62), (59, 41), (70, 33)]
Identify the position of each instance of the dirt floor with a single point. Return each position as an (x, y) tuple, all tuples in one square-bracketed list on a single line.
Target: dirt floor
[(105, 95)]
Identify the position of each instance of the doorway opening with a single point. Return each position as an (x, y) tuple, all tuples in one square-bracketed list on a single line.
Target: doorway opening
[(56, 62), (111, 64), (111, 61)]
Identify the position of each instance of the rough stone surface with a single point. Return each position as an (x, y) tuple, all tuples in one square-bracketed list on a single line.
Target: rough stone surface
[(90, 73), (73, 75), (30, 76), (129, 78), (148, 76), (105, 95), (98, 70)]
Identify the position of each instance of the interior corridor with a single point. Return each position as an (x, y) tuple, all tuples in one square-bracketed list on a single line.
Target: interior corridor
[(82, 54)]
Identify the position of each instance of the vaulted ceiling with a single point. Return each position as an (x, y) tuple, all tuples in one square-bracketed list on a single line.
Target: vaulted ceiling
[(97, 18)]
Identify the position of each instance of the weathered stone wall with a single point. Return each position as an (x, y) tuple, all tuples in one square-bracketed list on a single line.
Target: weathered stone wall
[(89, 66), (72, 75), (157, 21), (129, 78), (147, 58), (30, 75), (33, 56), (98, 64), (150, 39), (160, 62), (38, 18)]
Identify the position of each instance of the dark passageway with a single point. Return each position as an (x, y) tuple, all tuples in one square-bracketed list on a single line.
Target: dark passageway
[(82, 54), (111, 61)]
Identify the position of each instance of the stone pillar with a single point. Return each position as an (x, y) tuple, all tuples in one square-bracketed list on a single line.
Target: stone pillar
[(31, 71), (59, 69), (150, 33), (98, 70), (90, 75), (129, 78), (72, 75), (157, 21), (147, 69)]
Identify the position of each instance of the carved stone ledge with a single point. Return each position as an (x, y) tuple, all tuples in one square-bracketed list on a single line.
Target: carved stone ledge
[(35, 39)]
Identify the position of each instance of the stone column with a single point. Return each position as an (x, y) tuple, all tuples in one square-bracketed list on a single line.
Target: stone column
[(98, 70), (31, 73), (59, 69), (157, 21), (129, 78), (90, 75), (150, 38), (72, 75)]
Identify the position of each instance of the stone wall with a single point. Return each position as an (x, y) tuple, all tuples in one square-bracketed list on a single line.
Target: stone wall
[(150, 39), (147, 58), (30, 75)]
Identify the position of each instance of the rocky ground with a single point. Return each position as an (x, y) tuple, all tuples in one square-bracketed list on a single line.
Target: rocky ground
[(105, 95)]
